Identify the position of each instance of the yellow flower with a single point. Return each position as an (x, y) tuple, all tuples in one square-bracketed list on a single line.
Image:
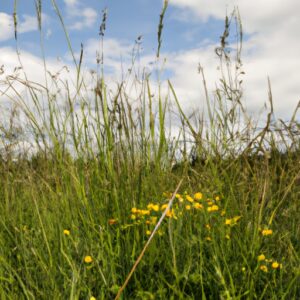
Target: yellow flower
[(223, 213), (189, 198), (198, 206), (235, 219), (144, 212), (198, 196), (188, 207), (66, 232), (164, 206), (210, 203), (263, 268), (267, 232), (92, 298), (228, 221), (213, 208), (148, 232), (232, 221), (208, 226), (179, 197), (134, 210), (208, 238), (243, 269), (88, 259), (150, 206), (217, 198), (133, 217), (275, 265), (155, 207), (170, 214), (261, 257)]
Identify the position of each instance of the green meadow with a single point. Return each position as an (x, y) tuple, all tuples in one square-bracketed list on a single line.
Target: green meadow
[(113, 205)]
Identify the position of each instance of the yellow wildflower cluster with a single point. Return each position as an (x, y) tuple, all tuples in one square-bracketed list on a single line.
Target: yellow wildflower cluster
[(197, 202), (213, 208), (152, 206), (264, 261), (198, 206), (140, 212), (198, 196), (189, 198), (191, 203)]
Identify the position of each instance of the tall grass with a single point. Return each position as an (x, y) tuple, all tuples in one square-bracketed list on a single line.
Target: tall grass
[(67, 227)]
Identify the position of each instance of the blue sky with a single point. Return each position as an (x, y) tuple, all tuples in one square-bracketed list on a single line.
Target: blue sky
[(126, 21), (192, 29)]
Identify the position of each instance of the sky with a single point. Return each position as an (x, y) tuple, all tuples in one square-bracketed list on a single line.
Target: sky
[(192, 30)]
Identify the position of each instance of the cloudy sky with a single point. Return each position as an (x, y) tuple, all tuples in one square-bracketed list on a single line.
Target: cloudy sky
[(192, 29)]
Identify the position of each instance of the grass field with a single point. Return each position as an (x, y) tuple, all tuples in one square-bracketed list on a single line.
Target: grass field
[(76, 215)]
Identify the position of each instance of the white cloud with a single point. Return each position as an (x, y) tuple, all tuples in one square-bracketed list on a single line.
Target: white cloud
[(32, 65), (29, 24), (26, 23), (80, 17), (48, 33), (88, 18), (71, 2), (112, 48), (65, 77), (271, 50), (7, 26), (255, 14)]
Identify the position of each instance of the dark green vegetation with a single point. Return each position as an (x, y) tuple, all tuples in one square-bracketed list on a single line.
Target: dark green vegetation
[(99, 157)]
